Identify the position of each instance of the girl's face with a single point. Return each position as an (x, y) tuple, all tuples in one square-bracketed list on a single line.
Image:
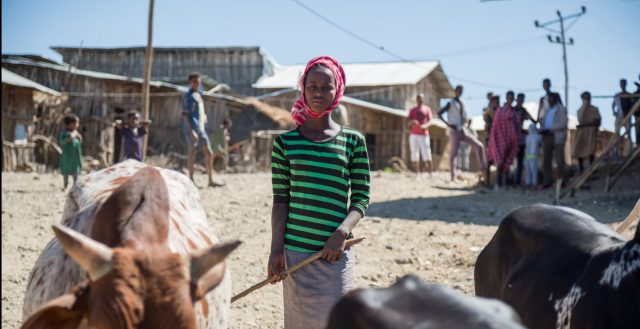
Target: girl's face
[(319, 89), (72, 126)]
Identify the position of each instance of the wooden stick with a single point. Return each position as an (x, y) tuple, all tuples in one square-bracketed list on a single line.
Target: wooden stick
[(633, 215), (290, 270)]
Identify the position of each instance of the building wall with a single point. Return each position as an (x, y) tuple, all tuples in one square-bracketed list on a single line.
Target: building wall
[(238, 67), (98, 102), (18, 107)]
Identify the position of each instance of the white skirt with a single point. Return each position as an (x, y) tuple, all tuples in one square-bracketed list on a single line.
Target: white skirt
[(311, 292)]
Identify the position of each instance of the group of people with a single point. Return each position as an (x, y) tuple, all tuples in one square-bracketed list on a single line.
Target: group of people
[(507, 142), (194, 121)]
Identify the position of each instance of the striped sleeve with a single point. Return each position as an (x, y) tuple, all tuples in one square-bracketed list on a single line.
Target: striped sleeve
[(280, 172), (360, 178)]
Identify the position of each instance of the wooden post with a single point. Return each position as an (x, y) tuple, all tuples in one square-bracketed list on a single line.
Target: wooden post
[(147, 76)]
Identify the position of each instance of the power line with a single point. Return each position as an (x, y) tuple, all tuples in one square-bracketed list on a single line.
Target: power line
[(345, 30), (397, 56), (483, 48)]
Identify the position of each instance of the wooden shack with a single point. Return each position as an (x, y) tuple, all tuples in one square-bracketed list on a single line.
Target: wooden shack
[(23, 101), (238, 67), (100, 98)]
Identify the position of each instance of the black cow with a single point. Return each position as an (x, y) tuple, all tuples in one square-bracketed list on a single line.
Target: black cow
[(412, 303), (559, 268)]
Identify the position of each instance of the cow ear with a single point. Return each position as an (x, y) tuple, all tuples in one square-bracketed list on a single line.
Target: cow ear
[(94, 257), (58, 313), (207, 267)]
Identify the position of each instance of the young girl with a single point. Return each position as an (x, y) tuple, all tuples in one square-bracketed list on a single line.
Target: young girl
[(314, 167), (533, 142), (70, 142)]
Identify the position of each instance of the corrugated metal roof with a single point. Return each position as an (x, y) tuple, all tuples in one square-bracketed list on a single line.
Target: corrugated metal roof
[(374, 106), (360, 74), (13, 79), (93, 74), (109, 76)]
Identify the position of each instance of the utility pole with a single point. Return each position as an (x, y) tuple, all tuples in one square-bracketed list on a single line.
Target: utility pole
[(147, 76), (562, 40)]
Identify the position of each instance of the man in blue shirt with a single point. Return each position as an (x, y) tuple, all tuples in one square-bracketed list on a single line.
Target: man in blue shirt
[(194, 120)]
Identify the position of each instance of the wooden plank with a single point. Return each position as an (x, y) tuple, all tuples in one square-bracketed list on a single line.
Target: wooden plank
[(575, 184), (632, 157)]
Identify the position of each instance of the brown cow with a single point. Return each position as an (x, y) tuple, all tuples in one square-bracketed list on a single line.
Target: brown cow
[(135, 279)]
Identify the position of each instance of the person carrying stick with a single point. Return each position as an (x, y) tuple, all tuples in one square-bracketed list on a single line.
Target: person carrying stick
[(314, 167)]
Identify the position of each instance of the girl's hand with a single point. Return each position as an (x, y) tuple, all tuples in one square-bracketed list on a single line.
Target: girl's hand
[(334, 247), (276, 266)]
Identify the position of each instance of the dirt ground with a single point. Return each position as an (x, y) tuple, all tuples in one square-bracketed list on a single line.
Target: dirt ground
[(427, 226)]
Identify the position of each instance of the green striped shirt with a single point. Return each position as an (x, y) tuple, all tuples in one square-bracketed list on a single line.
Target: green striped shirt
[(314, 179)]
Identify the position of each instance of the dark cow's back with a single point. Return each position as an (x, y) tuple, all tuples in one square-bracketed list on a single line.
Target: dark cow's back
[(412, 303), (549, 263)]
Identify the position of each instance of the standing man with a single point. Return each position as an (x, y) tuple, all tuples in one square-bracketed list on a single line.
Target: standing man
[(487, 114), (554, 135), (622, 103), (456, 118), (494, 105), (419, 143), (503, 142), (194, 120), (544, 100), (521, 115), (587, 134)]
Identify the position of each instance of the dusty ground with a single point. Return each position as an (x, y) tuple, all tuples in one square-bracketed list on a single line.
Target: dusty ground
[(428, 226)]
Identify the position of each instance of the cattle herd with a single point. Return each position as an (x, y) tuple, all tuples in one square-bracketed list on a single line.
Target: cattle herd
[(134, 250)]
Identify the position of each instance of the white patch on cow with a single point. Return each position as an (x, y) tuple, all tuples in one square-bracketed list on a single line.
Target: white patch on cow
[(564, 307), (55, 274), (618, 269)]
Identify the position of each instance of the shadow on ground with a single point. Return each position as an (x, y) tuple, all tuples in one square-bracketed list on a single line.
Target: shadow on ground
[(485, 207)]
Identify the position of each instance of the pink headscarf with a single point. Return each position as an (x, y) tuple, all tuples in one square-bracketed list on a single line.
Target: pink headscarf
[(301, 109)]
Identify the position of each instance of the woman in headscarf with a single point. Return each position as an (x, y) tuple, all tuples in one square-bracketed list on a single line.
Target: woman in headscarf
[(503, 142), (320, 177)]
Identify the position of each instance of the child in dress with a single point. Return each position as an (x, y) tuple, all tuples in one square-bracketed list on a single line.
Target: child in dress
[(532, 156), (314, 167), (71, 144)]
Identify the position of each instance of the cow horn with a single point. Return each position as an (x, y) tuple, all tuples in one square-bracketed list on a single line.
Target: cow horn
[(93, 256), (204, 259), (633, 216)]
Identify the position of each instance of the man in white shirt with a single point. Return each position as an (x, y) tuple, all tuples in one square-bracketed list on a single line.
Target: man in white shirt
[(544, 100), (554, 135)]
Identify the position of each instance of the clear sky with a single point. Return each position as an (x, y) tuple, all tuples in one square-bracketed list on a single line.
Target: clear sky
[(486, 46)]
